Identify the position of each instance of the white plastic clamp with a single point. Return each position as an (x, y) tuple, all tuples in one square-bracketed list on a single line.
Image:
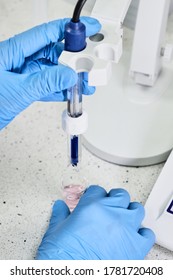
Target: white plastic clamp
[(74, 126)]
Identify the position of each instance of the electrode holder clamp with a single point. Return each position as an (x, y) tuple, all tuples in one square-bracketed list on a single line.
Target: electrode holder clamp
[(96, 58), (104, 48)]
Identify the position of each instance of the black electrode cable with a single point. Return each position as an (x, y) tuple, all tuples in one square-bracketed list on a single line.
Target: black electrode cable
[(77, 10)]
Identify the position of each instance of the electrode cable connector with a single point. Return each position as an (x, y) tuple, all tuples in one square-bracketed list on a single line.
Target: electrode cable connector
[(75, 31)]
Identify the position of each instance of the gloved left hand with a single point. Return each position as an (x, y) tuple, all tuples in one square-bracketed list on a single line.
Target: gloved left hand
[(29, 69), (103, 226)]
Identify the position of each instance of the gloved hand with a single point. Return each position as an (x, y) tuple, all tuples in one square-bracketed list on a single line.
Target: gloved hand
[(29, 69), (101, 227)]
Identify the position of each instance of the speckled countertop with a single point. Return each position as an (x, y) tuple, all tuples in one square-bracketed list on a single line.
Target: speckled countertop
[(32, 152)]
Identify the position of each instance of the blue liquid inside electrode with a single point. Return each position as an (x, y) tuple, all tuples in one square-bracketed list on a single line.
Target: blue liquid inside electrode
[(74, 150)]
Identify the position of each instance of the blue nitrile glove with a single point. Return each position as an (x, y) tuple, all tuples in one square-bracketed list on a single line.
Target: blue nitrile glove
[(29, 69), (103, 226)]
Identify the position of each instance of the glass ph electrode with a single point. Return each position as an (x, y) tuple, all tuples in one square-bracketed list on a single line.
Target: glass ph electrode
[(74, 119), (74, 182)]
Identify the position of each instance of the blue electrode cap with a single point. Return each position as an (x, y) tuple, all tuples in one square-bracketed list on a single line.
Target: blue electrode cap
[(75, 36)]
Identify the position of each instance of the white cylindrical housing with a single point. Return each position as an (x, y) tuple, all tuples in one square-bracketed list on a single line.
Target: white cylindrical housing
[(74, 126)]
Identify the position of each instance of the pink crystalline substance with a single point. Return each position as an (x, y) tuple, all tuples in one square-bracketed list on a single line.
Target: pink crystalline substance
[(72, 194)]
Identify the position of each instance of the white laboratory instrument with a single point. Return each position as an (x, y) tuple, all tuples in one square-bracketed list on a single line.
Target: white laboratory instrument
[(159, 207), (134, 118)]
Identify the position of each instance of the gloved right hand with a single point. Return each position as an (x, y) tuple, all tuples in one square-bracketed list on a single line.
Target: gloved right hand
[(103, 226), (29, 69)]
